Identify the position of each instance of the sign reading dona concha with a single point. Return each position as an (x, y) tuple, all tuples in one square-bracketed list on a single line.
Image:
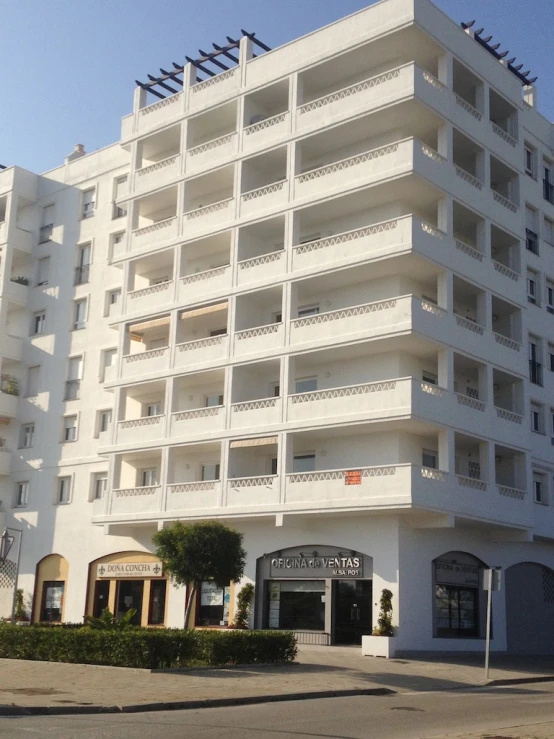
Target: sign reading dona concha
[(316, 562), (130, 569)]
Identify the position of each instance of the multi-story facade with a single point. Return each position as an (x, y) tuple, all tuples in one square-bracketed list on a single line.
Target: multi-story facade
[(311, 296)]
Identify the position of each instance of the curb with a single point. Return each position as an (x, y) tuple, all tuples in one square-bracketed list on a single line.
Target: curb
[(188, 705), (519, 681)]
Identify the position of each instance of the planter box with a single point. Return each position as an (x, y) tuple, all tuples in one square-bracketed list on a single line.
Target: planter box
[(378, 646)]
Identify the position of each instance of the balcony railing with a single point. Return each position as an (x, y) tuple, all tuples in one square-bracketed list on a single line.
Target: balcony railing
[(82, 274), (72, 389)]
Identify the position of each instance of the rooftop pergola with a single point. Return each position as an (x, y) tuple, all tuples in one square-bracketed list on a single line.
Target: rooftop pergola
[(208, 64), (493, 49)]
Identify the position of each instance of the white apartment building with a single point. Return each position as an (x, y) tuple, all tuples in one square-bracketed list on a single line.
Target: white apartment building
[(310, 295)]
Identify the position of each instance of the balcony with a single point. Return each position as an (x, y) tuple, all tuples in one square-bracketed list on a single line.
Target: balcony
[(252, 478), (202, 335), (258, 322), (261, 254), (151, 282), (205, 268), (212, 138), (223, 85), (158, 159), (159, 113), (194, 477), (136, 483), (505, 192), (504, 125), (5, 461), (139, 430), (146, 347), (264, 184), (198, 404), (155, 220), (256, 401), (142, 413), (8, 404), (11, 347), (266, 116), (209, 201), (506, 256)]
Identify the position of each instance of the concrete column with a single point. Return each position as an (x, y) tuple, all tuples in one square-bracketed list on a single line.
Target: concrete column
[(445, 141), (246, 52), (484, 309), (123, 342), (446, 369), (168, 404), (445, 290), (173, 326), (189, 80), (289, 308), (183, 145), (445, 215), (284, 462), (139, 101), (482, 100), (484, 237), (487, 473), (491, 463), (486, 391), (445, 69), (164, 466), (224, 472), (446, 450), (482, 167), (228, 394), (234, 255), (530, 96), (296, 94)]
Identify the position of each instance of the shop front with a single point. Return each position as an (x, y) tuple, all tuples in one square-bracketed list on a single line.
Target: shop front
[(323, 593), (459, 598), (125, 581)]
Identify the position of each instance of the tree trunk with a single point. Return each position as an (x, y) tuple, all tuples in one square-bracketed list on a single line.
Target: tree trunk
[(190, 601)]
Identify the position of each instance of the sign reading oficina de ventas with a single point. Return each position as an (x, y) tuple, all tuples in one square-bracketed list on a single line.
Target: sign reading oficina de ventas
[(130, 569), (315, 564)]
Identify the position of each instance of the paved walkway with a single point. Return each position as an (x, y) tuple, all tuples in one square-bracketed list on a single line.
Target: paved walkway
[(29, 684)]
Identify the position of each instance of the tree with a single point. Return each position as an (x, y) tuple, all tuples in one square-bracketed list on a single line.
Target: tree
[(384, 622), (244, 603), (194, 553)]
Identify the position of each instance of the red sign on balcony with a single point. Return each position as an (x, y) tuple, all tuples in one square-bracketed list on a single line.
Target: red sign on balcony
[(353, 477)]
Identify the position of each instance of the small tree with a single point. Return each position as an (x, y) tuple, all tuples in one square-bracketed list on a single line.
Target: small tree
[(384, 622), (193, 553), (20, 614), (244, 602)]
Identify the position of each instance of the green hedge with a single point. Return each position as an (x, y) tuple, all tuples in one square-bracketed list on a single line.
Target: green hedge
[(146, 648)]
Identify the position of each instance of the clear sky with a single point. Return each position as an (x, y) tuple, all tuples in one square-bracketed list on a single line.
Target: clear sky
[(68, 66)]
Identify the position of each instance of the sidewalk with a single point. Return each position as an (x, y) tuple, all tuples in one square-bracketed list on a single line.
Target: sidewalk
[(320, 672)]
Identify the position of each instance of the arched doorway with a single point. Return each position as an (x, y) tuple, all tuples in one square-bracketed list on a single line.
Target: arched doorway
[(459, 609), (530, 608), (50, 589), (323, 593)]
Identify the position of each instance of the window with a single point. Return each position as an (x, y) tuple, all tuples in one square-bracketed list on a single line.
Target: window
[(532, 290), (210, 401), (43, 271), (104, 421), (74, 376), (32, 384), (79, 314), (531, 241), (548, 187), (552, 425), (308, 310), (273, 466), (303, 462), (306, 385), (21, 494), (113, 298), (539, 487), (70, 428), (118, 237), (64, 489), (120, 190), (88, 203), (214, 605), (535, 366), (154, 409), (529, 160), (83, 265), (46, 224), (548, 231), (456, 611), (99, 484), (51, 607), (156, 607), (39, 320), (551, 357), (218, 332), (537, 418), (149, 477), (549, 294), (430, 378), (430, 458), (110, 356), (531, 225), (27, 436), (210, 472)]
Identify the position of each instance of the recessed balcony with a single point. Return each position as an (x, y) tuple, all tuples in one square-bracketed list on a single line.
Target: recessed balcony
[(159, 159), (508, 397), (155, 219), (468, 93), (259, 322), (253, 478), (158, 113), (142, 410), (209, 201), (193, 477), (151, 282), (264, 184), (212, 137), (198, 404), (261, 254), (256, 395), (266, 116), (221, 86), (505, 191), (137, 488), (146, 347), (503, 121), (205, 267), (202, 335), (506, 326)]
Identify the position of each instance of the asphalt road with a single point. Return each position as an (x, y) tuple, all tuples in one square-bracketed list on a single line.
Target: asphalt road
[(405, 716)]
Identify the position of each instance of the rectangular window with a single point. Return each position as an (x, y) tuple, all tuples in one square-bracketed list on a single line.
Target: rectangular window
[(548, 231), (303, 462), (39, 319), (214, 605), (43, 271), (89, 197), (300, 604), (100, 482), (79, 314), (529, 161), (149, 477), (305, 385), (21, 494), (532, 287), (531, 241), (32, 385), (211, 401), (27, 435), (74, 376), (121, 189), (51, 608), (70, 428), (538, 487), (456, 611), (210, 472), (46, 224), (535, 366), (104, 421), (430, 378), (430, 458), (156, 607), (154, 409), (64, 489), (118, 237), (536, 418), (549, 295), (308, 310), (83, 265)]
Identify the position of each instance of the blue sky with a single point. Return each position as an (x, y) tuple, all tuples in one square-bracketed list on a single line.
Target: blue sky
[(69, 66)]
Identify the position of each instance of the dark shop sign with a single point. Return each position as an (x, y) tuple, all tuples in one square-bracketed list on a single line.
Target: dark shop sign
[(301, 565)]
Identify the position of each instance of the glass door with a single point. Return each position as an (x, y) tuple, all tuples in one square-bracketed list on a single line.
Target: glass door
[(101, 593), (352, 611), (129, 595)]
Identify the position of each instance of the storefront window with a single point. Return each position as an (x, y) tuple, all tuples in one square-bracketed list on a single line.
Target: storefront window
[(297, 604), (156, 609), (52, 601), (456, 611), (214, 605)]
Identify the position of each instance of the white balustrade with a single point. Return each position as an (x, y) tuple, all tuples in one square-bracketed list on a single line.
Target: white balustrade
[(468, 108), (470, 324), (154, 233), (504, 135), (248, 492), (506, 271), (265, 266), (197, 351), (509, 492), (469, 178), (158, 173), (154, 360), (198, 421), (504, 201), (509, 415), (199, 284), (267, 196), (194, 495), (469, 250), (157, 113), (135, 500), (259, 338), (507, 342), (259, 413), (137, 430)]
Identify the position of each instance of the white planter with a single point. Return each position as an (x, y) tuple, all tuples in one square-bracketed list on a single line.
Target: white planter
[(378, 646)]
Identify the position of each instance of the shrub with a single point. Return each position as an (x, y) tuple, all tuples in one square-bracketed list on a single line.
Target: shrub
[(146, 648), (107, 620), (384, 622), (244, 602)]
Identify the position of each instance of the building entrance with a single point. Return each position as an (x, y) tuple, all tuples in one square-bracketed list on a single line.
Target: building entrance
[(352, 600), (129, 595)]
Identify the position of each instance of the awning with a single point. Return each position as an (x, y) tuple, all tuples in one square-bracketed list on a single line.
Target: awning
[(254, 442), (204, 311), (137, 328)]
